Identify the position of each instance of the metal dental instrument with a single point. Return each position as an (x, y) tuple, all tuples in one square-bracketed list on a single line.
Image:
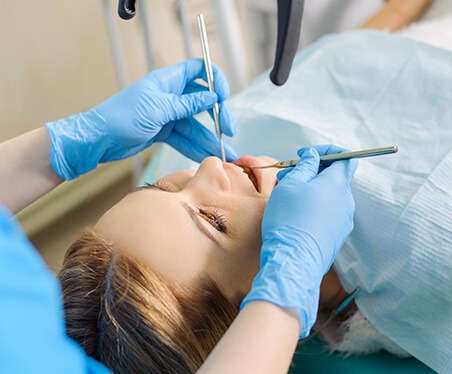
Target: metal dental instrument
[(333, 314), (210, 79), (335, 157)]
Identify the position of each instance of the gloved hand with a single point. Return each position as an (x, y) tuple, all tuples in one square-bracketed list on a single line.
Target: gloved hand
[(307, 219), (157, 108)]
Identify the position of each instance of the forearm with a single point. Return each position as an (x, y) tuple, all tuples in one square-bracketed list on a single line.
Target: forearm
[(397, 14), (262, 339), (25, 170)]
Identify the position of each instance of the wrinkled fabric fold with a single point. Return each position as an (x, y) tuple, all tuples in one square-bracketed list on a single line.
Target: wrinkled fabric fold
[(366, 89)]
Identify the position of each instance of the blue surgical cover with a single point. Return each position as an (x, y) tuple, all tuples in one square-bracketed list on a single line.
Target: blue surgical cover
[(367, 89)]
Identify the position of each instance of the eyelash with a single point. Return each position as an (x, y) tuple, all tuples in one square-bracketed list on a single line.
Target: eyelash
[(162, 184), (216, 219), (210, 214)]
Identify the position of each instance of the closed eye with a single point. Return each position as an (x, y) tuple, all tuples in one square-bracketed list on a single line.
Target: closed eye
[(160, 185), (216, 219), (164, 185)]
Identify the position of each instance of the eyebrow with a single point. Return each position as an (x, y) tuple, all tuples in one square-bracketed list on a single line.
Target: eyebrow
[(193, 215), (145, 187)]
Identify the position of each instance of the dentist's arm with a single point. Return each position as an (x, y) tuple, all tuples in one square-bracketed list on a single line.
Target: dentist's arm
[(307, 219), (397, 14), (262, 339), (157, 108), (25, 170)]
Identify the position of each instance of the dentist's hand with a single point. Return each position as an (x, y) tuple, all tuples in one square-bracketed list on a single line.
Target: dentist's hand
[(157, 108), (306, 221)]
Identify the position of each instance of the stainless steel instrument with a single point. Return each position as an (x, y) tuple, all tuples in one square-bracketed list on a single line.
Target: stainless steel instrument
[(335, 157), (210, 78)]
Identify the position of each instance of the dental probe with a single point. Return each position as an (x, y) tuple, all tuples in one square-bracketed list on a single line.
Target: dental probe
[(210, 79), (335, 157), (333, 314)]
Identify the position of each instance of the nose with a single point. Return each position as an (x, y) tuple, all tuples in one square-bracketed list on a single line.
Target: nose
[(212, 175)]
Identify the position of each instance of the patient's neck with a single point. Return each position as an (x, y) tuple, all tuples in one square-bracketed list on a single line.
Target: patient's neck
[(331, 292)]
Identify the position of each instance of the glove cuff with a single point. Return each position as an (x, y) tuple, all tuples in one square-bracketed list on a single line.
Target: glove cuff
[(77, 146), (289, 284)]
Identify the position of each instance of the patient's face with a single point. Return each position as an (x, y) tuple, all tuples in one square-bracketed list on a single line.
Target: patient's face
[(191, 224)]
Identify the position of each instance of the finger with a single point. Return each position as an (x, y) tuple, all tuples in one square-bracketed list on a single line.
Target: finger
[(194, 69), (282, 173), (221, 83), (190, 134), (349, 167), (325, 149), (341, 169), (228, 123), (188, 149), (229, 152), (307, 167), (194, 87), (188, 105), (176, 78), (181, 144)]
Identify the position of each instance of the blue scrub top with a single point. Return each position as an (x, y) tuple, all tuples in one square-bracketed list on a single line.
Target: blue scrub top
[(32, 328)]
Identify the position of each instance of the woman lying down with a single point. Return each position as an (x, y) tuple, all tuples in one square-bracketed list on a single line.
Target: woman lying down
[(156, 283), (158, 280), (162, 274)]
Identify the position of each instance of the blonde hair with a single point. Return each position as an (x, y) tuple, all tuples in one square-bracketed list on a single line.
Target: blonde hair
[(131, 319)]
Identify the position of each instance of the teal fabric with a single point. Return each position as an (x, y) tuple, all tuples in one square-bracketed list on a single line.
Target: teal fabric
[(313, 358)]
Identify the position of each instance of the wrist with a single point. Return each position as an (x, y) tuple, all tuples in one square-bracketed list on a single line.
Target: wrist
[(76, 145), (291, 285)]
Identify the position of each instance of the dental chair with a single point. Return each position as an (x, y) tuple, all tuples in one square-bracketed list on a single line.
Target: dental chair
[(313, 358), (328, 100)]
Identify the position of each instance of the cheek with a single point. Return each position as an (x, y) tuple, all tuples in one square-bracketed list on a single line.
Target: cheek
[(250, 230)]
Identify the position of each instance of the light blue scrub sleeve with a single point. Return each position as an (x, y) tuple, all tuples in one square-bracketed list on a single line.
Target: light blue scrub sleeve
[(32, 329)]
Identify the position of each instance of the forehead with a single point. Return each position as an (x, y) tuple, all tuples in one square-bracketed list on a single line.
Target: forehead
[(154, 227)]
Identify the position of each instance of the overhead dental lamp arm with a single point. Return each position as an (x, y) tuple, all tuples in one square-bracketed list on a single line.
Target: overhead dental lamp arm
[(126, 9), (289, 25)]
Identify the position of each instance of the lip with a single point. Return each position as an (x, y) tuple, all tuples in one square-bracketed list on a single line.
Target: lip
[(255, 175)]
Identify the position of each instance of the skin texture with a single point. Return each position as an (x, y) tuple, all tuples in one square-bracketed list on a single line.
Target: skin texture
[(25, 164), (192, 224), (397, 14), (155, 225)]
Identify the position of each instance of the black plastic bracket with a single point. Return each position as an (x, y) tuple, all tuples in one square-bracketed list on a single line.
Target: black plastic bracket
[(126, 9), (289, 26)]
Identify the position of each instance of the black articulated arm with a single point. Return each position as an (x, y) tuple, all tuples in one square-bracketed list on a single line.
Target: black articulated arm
[(289, 25), (126, 9)]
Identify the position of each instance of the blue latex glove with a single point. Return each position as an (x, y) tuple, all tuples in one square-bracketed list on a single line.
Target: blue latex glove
[(157, 108), (33, 337), (307, 219)]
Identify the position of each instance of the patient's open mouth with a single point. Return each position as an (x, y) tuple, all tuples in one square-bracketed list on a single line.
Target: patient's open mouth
[(252, 177), (255, 175)]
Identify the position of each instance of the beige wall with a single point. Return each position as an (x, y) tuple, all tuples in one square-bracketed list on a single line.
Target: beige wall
[(55, 57), (56, 60)]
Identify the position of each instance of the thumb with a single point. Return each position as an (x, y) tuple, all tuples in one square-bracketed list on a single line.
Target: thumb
[(190, 104), (307, 167)]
